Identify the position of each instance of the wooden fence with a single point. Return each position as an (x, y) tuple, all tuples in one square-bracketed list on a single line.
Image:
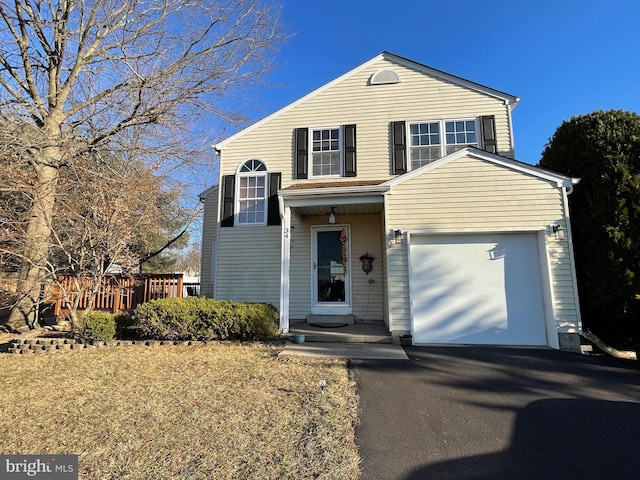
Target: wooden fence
[(115, 293)]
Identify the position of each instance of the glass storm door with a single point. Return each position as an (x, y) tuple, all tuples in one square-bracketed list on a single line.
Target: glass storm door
[(331, 271)]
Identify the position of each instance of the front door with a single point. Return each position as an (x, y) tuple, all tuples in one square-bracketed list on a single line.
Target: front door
[(331, 271)]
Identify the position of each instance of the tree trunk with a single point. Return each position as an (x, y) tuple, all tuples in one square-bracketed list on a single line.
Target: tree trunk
[(33, 270)]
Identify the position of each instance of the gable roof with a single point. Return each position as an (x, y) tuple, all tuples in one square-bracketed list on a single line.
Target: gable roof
[(405, 62), (203, 196), (558, 179)]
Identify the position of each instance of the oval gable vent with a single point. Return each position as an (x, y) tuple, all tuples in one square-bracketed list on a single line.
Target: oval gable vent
[(382, 77)]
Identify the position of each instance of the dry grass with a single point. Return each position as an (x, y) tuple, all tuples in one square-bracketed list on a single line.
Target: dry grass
[(220, 411)]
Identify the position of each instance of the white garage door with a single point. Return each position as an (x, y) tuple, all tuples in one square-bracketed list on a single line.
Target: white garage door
[(477, 289)]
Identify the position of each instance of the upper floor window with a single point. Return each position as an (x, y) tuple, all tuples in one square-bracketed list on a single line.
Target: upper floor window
[(252, 193), (325, 156), (429, 141), (325, 152), (460, 134), (414, 144)]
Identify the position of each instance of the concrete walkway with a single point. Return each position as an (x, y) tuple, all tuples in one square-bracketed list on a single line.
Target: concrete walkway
[(370, 351)]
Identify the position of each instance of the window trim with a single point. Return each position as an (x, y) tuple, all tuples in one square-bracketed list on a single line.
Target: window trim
[(442, 122), (265, 199), (340, 151)]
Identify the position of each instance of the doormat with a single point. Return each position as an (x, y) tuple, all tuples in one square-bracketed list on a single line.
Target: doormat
[(329, 325)]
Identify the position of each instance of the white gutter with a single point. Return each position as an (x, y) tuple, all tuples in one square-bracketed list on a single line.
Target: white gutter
[(342, 191)]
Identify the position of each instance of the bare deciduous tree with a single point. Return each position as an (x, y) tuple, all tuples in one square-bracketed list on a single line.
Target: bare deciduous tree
[(81, 75)]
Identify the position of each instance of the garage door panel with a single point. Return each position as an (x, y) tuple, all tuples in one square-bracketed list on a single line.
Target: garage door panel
[(482, 289), (437, 265), (450, 320)]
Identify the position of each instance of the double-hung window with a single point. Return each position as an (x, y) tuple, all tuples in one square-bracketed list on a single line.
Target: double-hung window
[(426, 144), (321, 152), (460, 134), (326, 146), (431, 140), (252, 193)]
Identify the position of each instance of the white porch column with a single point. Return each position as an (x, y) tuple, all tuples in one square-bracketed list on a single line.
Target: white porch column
[(284, 270)]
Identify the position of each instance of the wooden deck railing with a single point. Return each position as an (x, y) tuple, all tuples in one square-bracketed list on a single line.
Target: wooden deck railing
[(115, 293)]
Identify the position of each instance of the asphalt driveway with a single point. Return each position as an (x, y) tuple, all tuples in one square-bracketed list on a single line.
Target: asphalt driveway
[(467, 413)]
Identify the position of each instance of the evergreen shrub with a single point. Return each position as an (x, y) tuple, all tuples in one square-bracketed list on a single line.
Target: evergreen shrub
[(96, 326), (194, 318)]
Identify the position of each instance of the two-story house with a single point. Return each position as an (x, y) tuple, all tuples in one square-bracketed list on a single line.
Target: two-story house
[(392, 194)]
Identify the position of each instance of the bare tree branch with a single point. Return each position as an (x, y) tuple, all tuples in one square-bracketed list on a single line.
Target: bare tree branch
[(81, 79)]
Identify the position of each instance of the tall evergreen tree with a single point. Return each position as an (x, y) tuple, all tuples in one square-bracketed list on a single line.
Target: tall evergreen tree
[(603, 149)]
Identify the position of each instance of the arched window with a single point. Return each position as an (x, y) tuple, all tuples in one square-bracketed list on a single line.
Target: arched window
[(251, 206)]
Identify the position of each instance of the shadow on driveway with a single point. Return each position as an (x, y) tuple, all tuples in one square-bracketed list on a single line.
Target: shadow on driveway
[(557, 439), (468, 413)]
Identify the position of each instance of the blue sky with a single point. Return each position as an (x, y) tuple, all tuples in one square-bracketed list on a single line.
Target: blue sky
[(562, 58)]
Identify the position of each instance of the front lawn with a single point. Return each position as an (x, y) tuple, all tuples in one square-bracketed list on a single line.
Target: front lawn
[(223, 411)]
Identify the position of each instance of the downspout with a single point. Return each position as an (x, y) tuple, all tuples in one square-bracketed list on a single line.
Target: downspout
[(214, 246), (510, 107), (568, 190)]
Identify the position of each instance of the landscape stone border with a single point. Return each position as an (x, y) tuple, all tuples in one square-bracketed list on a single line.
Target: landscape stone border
[(35, 345)]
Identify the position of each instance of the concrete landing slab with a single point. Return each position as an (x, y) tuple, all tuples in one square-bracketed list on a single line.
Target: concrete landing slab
[(329, 319), (369, 351)]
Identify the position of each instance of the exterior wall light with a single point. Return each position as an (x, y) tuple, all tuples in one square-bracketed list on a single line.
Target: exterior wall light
[(398, 237), (559, 231), (366, 260), (332, 216)]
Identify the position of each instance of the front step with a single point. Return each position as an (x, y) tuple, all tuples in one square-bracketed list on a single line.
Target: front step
[(329, 319), (349, 338), (374, 332)]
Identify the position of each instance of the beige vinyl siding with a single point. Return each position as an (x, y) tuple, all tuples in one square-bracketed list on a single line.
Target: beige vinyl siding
[(473, 195), (300, 269), (367, 298), (371, 108), (248, 264), (385, 240), (209, 232), (564, 305), (398, 281)]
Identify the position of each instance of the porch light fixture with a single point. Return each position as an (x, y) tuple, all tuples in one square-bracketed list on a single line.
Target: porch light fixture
[(398, 237), (366, 260), (559, 231), (332, 216)]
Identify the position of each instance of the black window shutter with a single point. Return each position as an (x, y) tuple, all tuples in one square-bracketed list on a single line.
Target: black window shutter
[(398, 137), (301, 152), (488, 129), (273, 208), (228, 200), (349, 143)]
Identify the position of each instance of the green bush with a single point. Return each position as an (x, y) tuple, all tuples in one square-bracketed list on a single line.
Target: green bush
[(194, 318), (124, 322), (96, 326)]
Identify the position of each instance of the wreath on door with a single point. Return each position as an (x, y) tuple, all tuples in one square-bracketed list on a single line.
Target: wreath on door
[(343, 241)]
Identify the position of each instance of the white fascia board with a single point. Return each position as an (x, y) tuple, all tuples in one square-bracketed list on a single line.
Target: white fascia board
[(506, 97), (333, 196), (559, 180), (220, 145), (334, 201), (352, 191)]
